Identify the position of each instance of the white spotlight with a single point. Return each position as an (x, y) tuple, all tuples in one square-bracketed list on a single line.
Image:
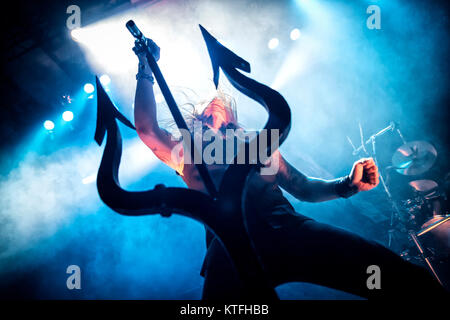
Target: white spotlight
[(159, 98), (89, 88), (76, 34), (67, 116), (105, 80), (49, 125), (89, 179), (295, 34), (273, 43)]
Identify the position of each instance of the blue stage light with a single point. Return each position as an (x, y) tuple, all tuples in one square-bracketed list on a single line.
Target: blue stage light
[(67, 116), (89, 88), (49, 125)]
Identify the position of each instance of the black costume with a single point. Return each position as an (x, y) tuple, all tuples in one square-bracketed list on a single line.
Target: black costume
[(294, 247)]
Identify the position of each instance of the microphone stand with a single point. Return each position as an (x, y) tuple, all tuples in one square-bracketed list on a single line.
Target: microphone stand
[(372, 141), (179, 120)]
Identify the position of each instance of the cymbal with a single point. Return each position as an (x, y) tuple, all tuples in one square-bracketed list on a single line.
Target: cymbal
[(423, 185), (413, 158)]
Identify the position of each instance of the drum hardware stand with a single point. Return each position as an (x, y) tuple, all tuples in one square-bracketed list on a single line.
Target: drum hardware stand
[(411, 168), (424, 256), (372, 140), (388, 193)]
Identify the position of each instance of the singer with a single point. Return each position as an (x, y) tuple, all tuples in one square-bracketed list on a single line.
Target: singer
[(292, 246)]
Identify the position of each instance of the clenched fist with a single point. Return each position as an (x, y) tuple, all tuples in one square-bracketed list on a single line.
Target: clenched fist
[(140, 50), (364, 174)]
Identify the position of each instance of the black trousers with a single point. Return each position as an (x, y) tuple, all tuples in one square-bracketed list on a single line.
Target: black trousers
[(294, 248)]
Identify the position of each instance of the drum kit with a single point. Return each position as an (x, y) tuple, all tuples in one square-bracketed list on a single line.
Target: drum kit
[(421, 223)]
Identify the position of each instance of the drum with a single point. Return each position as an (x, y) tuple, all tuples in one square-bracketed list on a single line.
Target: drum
[(420, 209), (437, 231)]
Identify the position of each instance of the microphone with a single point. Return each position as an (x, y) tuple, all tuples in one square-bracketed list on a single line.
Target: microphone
[(395, 125), (134, 30)]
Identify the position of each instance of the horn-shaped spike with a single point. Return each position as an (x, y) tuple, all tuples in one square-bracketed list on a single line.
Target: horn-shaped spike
[(222, 57), (106, 113)]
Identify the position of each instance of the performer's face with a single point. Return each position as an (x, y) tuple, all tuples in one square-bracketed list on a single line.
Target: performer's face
[(216, 116)]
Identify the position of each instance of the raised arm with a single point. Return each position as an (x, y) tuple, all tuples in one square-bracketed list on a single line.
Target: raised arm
[(157, 139), (363, 177)]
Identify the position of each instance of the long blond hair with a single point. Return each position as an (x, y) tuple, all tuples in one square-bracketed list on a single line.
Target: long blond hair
[(193, 111)]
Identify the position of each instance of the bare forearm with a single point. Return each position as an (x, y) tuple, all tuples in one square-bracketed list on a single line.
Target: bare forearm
[(363, 177), (160, 141), (144, 102), (309, 189), (145, 106)]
